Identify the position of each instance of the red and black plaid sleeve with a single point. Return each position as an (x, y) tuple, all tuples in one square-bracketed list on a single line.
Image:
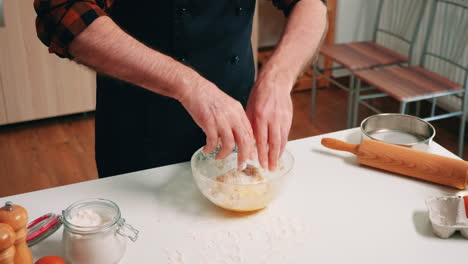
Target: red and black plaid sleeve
[(288, 5), (58, 22)]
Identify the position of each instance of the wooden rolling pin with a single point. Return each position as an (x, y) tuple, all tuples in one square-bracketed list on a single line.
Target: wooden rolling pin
[(406, 161)]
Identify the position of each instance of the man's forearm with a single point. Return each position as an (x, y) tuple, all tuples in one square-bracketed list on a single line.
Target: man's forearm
[(301, 40), (106, 48)]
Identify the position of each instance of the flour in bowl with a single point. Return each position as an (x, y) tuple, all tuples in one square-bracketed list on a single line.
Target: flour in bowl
[(249, 175)]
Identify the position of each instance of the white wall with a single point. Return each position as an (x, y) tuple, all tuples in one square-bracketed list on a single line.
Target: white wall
[(355, 20)]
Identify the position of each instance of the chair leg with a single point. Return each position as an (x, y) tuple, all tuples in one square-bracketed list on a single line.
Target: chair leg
[(357, 97), (461, 136), (418, 108), (433, 106), (403, 107), (314, 93), (350, 101)]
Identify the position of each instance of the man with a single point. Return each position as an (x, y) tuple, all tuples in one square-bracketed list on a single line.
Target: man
[(175, 71)]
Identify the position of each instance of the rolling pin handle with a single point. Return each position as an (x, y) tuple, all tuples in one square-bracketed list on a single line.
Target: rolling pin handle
[(340, 145)]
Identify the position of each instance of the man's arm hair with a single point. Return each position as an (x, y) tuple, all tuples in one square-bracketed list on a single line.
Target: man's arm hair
[(82, 31), (302, 38), (106, 48)]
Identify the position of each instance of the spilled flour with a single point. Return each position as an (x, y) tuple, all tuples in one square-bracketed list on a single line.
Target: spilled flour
[(261, 238)]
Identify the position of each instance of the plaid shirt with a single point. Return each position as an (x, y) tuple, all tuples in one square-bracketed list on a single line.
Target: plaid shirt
[(60, 21)]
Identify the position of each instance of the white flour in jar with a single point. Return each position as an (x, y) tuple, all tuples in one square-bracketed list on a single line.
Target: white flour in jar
[(87, 218), (99, 244)]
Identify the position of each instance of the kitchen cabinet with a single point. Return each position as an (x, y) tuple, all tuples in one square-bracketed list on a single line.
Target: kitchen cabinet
[(34, 83), (3, 118)]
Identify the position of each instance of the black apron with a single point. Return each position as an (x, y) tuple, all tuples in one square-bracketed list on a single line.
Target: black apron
[(137, 129)]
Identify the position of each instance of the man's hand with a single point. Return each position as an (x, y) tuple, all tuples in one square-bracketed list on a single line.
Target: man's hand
[(269, 107), (222, 118), (270, 112)]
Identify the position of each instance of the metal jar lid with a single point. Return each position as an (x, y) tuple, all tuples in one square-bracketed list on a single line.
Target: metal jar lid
[(42, 228)]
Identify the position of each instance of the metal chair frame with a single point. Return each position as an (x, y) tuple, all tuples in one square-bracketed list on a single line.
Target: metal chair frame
[(359, 99), (317, 71)]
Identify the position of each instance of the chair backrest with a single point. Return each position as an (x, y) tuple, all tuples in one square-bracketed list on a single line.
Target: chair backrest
[(445, 47), (399, 21)]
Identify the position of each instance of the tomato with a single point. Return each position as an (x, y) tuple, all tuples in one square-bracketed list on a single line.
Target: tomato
[(51, 260)]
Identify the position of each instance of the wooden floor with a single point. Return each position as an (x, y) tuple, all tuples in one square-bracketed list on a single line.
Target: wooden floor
[(59, 151), (44, 154)]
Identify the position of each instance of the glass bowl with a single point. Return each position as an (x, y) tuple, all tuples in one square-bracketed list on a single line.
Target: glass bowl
[(241, 197)]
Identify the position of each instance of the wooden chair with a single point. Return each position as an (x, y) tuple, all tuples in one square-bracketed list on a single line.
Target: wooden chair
[(445, 49), (397, 22)]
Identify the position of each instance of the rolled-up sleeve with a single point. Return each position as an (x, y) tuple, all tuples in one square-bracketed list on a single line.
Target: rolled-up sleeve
[(58, 22), (288, 5)]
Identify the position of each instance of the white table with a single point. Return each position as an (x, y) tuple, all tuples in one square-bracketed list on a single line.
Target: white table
[(331, 211)]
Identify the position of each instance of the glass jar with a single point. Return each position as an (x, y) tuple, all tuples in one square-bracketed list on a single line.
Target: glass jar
[(101, 244), (103, 241)]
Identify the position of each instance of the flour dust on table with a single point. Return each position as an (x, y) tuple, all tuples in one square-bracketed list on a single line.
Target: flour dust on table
[(272, 235)]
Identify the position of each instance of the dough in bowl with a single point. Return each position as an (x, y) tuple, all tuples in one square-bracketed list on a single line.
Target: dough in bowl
[(249, 175)]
